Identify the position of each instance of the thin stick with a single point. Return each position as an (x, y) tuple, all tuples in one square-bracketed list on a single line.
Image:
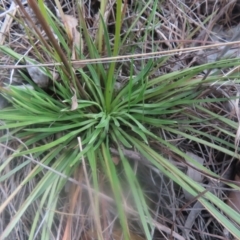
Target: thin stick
[(94, 210), (135, 57), (7, 23), (223, 52)]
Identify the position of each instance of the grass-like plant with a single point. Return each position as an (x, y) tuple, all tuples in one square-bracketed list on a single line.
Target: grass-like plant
[(69, 129)]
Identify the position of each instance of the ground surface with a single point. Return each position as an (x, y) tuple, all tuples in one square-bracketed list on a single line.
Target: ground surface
[(178, 24)]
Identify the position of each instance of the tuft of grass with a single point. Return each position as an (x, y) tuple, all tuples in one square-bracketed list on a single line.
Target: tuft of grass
[(45, 129)]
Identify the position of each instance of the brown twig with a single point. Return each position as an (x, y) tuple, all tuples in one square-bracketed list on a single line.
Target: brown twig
[(47, 29), (32, 25)]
